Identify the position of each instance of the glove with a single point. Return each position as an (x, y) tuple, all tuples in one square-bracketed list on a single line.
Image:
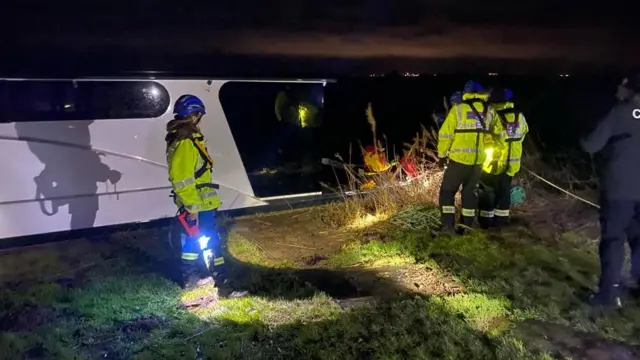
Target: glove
[(442, 162)]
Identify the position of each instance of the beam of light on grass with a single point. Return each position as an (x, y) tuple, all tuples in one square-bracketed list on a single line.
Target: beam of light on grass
[(368, 220), (255, 309), (481, 312)]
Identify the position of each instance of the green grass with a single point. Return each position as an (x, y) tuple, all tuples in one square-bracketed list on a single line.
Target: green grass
[(247, 252), (121, 309), (372, 254)]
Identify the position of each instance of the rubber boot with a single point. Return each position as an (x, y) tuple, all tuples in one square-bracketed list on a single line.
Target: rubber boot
[(447, 225), (467, 222), (606, 298), (500, 222), (193, 281), (485, 222)]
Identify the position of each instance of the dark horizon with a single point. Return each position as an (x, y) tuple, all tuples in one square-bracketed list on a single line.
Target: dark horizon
[(324, 38), (229, 66)]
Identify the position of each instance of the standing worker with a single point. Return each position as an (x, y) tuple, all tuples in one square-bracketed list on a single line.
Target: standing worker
[(461, 143), (502, 162), (190, 168), (617, 137)]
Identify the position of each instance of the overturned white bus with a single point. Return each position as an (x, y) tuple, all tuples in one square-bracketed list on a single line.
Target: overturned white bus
[(90, 152)]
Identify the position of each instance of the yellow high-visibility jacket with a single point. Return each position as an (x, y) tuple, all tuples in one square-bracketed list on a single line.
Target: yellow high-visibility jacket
[(509, 128), (190, 169), (463, 136)]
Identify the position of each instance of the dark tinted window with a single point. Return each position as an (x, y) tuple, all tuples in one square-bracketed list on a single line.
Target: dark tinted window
[(277, 128), (50, 100)]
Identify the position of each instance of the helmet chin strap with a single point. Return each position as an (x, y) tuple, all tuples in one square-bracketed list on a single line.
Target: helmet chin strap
[(198, 119)]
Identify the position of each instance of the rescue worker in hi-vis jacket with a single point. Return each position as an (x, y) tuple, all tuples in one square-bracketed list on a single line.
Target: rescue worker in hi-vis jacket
[(190, 170), (461, 144), (503, 157)]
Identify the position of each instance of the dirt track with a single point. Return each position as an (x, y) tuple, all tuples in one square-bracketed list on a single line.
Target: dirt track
[(295, 236)]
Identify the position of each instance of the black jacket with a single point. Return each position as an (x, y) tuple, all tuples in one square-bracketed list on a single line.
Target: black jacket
[(617, 139)]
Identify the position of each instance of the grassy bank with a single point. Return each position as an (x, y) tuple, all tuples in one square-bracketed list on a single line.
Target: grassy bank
[(360, 279), (515, 297)]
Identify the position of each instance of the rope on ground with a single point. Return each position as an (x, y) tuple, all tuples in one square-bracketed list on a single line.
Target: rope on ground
[(563, 190)]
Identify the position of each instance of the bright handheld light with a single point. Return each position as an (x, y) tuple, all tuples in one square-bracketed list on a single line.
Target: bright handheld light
[(487, 165), (204, 242), (489, 152)]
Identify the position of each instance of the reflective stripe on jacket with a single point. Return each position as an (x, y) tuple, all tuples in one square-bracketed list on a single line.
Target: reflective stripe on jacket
[(508, 135), (462, 136), (193, 193)]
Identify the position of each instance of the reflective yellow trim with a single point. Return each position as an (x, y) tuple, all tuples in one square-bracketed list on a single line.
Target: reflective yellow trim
[(463, 150), (189, 256), (218, 261), (448, 209), (208, 194), (502, 212), (468, 212), (180, 184), (486, 214), (468, 126)]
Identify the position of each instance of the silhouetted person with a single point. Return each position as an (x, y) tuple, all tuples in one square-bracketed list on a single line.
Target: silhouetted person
[(617, 138), (72, 169)]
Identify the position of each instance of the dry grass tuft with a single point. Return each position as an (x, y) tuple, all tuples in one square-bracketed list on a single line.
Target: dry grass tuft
[(394, 192)]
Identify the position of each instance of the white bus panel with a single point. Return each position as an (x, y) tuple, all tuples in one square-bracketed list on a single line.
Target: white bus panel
[(63, 169)]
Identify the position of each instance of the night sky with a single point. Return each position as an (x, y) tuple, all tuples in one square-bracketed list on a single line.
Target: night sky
[(386, 34)]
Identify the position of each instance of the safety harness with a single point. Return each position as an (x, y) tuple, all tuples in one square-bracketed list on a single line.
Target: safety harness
[(502, 115), (204, 155), (480, 117)]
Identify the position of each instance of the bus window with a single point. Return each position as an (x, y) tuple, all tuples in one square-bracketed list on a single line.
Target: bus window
[(52, 100), (277, 128)]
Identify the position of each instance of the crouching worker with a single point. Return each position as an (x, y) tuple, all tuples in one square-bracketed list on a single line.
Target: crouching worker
[(190, 168), (502, 161)]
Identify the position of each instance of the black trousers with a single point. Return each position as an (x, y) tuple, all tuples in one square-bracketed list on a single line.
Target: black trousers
[(495, 200), (457, 174), (619, 220)]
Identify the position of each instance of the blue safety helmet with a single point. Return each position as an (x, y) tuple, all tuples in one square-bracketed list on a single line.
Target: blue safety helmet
[(456, 98), (469, 87), (188, 104), (508, 94), (473, 87)]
